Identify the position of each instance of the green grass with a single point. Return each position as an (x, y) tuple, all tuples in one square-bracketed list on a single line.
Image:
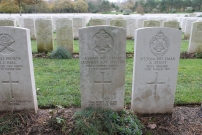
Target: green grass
[(57, 80)]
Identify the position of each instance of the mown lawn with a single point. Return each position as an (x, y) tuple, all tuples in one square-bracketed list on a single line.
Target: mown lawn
[(57, 81)]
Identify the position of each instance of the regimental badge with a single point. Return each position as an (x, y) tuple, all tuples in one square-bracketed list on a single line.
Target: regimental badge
[(159, 44), (6, 42), (118, 24), (199, 27), (102, 42)]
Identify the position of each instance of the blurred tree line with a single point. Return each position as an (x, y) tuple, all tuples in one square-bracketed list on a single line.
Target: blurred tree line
[(93, 6), (162, 6)]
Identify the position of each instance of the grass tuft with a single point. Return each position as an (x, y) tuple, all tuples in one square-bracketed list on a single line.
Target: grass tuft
[(106, 122), (61, 53)]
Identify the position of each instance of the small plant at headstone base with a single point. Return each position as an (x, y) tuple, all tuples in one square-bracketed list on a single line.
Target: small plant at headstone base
[(173, 10), (60, 53), (57, 121), (198, 55), (100, 121)]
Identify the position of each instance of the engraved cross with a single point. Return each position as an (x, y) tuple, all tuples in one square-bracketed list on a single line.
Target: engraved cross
[(10, 82), (155, 83), (103, 82)]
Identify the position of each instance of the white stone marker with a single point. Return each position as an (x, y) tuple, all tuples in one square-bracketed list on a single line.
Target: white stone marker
[(118, 23), (156, 58), (188, 28), (131, 23), (195, 42), (64, 34), (94, 22), (44, 35), (171, 24), (17, 84), (102, 56), (77, 24), (29, 24), (151, 23)]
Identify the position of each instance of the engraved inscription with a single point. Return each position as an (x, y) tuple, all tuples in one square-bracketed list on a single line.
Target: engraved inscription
[(159, 44), (102, 41), (10, 82), (103, 82), (6, 42), (155, 83)]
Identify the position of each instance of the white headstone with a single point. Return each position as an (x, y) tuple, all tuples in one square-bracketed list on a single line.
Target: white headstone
[(140, 22), (188, 25), (156, 58), (44, 35), (77, 24), (29, 24), (64, 34), (195, 42), (151, 23), (171, 24), (131, 23), (102, 58), (94, 22), (118, 23), (17, 84)]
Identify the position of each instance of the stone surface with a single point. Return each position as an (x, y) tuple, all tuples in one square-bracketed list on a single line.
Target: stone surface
[(77, 24), (151, 23), (188, 28), (17, 84), (140, 22), (64, 34), (44, 35), (7, 22), (195, 42), (102, 56), (131, 23), (94, 22), (118, 23), (171, 24), (29, 24), (156, 59)]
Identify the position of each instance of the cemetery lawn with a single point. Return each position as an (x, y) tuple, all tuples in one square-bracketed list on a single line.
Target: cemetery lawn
[(57, 82)]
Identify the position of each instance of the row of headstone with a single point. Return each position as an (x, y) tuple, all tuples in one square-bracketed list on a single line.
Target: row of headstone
[(102, 66)]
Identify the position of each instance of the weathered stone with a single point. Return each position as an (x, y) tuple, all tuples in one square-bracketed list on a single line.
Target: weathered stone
[(29, 24), (17, 84), (102, 58), (94, 22), (7, 23), (118, 23), (77, 24), (151, 23), (44, 35), (156, 58), (171, 24), (195, 42), (64, 34)]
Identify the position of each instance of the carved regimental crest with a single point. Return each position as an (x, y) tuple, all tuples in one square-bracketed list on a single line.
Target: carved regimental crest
[(118, 24), (199, 27), (6, 42), (159, 44), (97, 23), (102, 42), (151, 24)]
